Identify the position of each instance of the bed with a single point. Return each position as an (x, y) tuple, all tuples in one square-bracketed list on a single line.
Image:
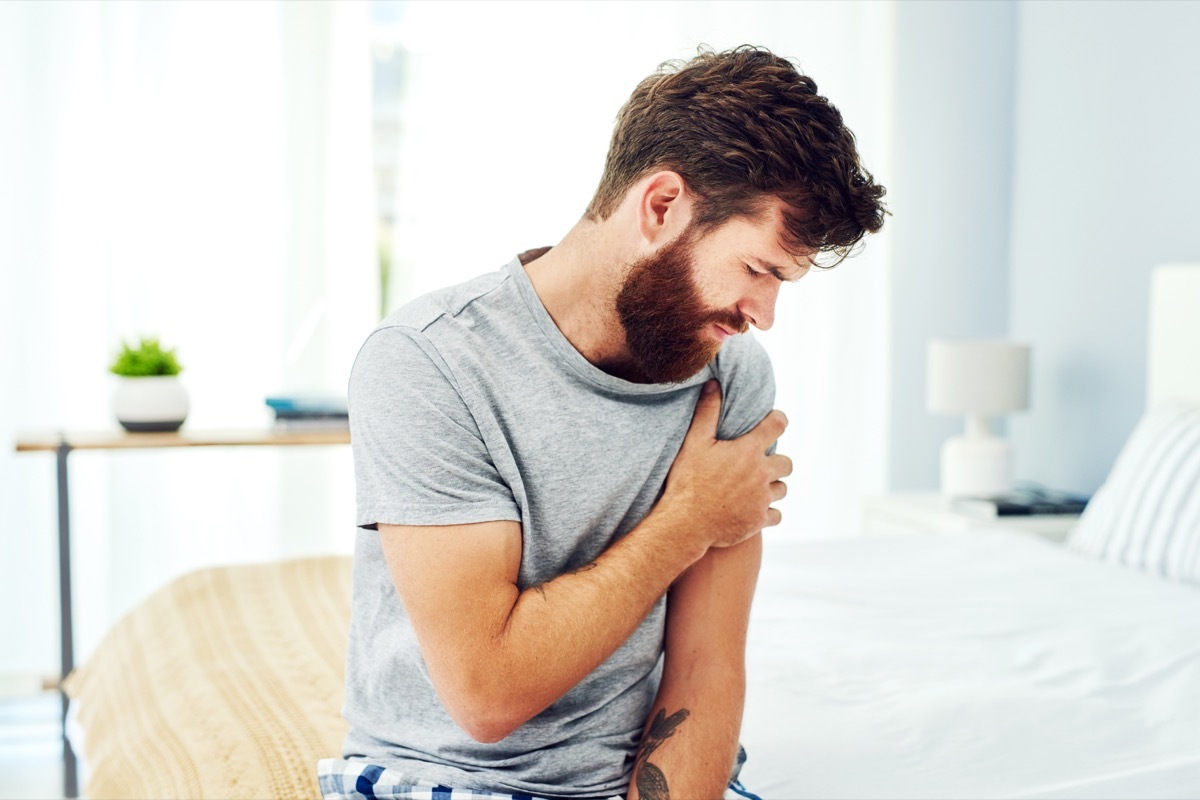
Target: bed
[(998, 665), (925, 665)]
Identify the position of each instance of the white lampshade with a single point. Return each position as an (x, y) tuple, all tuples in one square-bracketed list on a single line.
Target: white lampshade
[(977, 376)]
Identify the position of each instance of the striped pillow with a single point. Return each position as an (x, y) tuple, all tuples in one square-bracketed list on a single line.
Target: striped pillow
[(1147, 513)]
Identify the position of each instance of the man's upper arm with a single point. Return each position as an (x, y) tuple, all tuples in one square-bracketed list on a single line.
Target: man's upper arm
[(708, 609), (704, 678), (447, 520), (708, 606), (458, 584), (419, 458)]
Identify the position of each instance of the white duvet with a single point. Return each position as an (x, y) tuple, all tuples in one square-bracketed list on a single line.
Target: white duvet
[(968, 665)]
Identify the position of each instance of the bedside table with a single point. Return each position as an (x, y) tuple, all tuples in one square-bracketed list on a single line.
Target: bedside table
[(929, 512)]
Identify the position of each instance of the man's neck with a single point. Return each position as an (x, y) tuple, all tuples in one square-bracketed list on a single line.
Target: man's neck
[(578, 281)]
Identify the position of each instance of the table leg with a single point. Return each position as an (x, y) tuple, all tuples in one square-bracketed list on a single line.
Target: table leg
[(70, 778)]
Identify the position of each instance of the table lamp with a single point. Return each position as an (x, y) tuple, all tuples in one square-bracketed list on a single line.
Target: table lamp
[(980, 378)]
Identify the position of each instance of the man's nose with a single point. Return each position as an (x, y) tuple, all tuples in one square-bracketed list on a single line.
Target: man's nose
[(759, 308)]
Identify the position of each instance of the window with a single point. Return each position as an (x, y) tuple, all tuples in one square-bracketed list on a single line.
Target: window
[(387, 83)]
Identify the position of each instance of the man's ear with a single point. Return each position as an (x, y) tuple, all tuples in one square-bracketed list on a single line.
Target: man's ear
[(664, 207)]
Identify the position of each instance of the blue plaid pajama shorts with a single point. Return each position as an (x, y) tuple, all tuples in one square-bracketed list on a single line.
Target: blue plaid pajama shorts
[(340, 779)]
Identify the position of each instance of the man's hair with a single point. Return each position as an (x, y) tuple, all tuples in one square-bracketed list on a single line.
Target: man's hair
[(743, 127)]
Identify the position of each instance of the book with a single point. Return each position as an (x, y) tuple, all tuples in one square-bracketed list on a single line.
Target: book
[(331, 423), (312, 415), (307, 404), (309, 412)]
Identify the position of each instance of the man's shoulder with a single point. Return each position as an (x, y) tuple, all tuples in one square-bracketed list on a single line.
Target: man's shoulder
[(414, 340), (747, 383), (744, 359), (449, 302)]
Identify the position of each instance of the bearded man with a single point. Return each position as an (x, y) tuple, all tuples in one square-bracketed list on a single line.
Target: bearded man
[(563, 467)]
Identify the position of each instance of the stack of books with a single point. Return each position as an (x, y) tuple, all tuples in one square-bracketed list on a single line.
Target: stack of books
[(309, 412), (1023, 503)]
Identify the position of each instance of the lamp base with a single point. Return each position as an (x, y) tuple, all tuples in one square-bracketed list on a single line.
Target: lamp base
[(975, 466)]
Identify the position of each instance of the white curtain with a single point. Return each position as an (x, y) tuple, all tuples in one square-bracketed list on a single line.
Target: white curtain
[(506, 121), (199, 172)]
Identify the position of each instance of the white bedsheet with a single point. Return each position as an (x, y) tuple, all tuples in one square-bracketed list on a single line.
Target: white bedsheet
[(964, 665)]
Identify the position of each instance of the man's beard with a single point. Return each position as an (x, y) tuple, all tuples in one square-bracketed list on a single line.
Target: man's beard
[(666, 322)]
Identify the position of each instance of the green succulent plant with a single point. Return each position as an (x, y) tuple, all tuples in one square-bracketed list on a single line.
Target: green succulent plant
[(148, 358)]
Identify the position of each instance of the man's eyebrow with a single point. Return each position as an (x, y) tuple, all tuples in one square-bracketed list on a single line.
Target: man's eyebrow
[(778, 273)]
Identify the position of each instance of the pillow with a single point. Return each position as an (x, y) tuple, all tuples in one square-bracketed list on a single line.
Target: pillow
[(1147, 513)]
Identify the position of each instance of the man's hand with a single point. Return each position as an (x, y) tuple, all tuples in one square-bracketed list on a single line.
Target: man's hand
[(727, 487)]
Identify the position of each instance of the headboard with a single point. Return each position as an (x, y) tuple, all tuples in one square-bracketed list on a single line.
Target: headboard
[(1173, 364)]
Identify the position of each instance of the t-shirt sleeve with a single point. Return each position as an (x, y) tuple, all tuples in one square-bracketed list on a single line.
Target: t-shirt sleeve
[(419, 458), (747, 385)]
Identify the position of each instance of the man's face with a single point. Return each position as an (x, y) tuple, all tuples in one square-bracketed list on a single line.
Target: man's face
[(668, 328), (679, 304)]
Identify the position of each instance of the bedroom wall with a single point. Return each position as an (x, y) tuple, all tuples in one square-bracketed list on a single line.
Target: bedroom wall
[(953, 85), (1045, 160), (1106, 169)]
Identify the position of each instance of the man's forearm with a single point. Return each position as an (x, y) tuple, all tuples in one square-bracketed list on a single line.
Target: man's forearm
[(690, 741), (556, 633)]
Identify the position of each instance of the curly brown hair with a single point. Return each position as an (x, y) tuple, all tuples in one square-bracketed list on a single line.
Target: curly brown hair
[(742, 127)]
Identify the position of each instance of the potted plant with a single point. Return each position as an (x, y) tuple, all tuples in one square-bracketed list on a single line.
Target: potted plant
[(149, 395)]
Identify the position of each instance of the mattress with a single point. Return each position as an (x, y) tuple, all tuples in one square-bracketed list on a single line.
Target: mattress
[(956, 665), (969, 665)]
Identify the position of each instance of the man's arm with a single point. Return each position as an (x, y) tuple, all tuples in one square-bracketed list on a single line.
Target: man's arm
[(691, 738), (497, 655)]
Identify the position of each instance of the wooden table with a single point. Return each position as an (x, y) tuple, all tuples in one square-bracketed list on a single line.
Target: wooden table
[(63, 442)]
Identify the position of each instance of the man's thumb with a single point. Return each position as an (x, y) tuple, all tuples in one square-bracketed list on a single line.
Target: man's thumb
[(708, 411)]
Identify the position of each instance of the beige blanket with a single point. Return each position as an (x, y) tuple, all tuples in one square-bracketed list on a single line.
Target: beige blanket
[(226, 683)]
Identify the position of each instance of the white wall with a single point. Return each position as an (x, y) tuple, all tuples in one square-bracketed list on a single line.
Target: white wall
[(952, 128), (1106, 182), (1046, 157)]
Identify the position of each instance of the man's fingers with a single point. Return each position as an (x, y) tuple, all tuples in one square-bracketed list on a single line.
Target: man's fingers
[(780, 465), (708, 411), (771, 427)]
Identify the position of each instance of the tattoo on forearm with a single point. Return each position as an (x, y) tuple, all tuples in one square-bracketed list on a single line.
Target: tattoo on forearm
[(651, 782)]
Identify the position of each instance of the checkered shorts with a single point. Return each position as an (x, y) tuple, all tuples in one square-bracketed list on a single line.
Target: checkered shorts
[(359, 780), (340, 779)]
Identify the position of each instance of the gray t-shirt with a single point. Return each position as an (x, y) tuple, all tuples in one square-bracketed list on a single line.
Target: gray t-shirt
[(469, 405)]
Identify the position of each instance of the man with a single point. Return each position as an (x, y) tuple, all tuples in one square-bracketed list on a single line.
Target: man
[(564, 466)]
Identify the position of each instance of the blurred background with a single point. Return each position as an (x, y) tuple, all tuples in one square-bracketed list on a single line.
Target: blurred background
[(257, 183)]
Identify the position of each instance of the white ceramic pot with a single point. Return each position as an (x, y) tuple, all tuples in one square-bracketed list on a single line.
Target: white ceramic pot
[(150, 403)]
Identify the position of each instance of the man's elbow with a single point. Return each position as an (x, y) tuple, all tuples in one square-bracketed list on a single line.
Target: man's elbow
[(487, 731), (485, 727), (487, 717)]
